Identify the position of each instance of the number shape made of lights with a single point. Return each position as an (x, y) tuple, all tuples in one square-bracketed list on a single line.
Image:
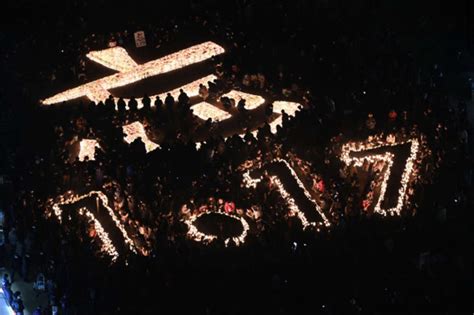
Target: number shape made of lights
[(198, 236), (107, 246), (388, 158), (251, 182), (70, 198)]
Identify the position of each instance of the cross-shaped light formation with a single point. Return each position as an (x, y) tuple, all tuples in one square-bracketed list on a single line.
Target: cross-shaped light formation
[(136, 130), (129, 71), (388, 158), (117, 58)]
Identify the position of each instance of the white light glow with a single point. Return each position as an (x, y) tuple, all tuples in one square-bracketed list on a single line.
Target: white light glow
[(252, 101), (205, 111), (305, 191), (290, 108), (97, 93), (195, 234), (117, 59), (70, 198), (275, 123), (137, 130), (377, 142), (107, 246), (291, 203), (191, 89), (87, 148), (250, 182)]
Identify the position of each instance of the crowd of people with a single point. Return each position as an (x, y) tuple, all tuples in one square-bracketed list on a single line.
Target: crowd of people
[(351, 84)]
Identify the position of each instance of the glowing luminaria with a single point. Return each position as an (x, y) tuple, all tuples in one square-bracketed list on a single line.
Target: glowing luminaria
[(274, 124), (71, 198), (205, 111), (136, 130), (252, 101), (107, 245), (388, 158), (290, 108), (87, 148), (97, 93), (195, 234), (290, 201), (119, 60), (305, 191), (191, 89), (115, 58), (250, 182)]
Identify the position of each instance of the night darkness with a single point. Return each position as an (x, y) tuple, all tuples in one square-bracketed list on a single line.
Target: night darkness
[(236, 157)]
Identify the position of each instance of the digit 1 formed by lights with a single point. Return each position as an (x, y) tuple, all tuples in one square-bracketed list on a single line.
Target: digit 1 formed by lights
[(70, 199), (250, 182), (107, 245), (376, 150)]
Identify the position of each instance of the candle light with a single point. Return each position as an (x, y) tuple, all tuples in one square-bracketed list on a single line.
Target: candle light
[(118, 59), (195, 234), (375, 143), (137, 130)]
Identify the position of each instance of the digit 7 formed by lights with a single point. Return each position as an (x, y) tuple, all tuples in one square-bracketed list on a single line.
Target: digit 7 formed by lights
[(365, 149)]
